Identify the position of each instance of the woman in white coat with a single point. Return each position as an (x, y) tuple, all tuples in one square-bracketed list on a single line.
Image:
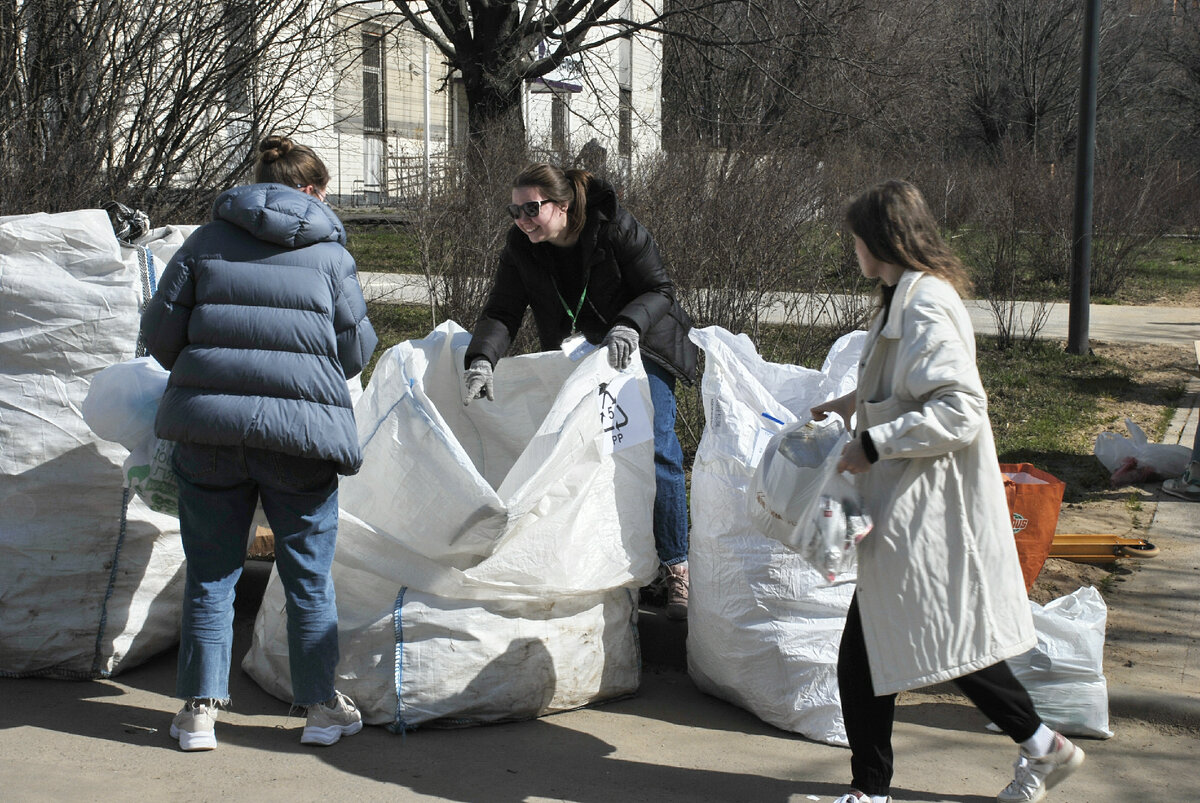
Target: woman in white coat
[(940, 594)]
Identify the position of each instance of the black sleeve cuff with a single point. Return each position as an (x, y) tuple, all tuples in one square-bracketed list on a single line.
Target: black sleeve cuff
[(623, 321), (869, 447)]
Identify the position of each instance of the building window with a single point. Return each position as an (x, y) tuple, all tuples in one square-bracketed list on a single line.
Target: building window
[(374, 118), (625, 123), (558, 123), (374, 180), (373, 112), (239, 27)]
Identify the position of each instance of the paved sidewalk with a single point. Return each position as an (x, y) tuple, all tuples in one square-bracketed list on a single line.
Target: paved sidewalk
[(107, 740), (1106, 323), (1154, 622)]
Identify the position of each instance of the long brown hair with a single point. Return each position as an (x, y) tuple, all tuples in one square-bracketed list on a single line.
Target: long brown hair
[(895, 223), (561, 186), (281, 161)]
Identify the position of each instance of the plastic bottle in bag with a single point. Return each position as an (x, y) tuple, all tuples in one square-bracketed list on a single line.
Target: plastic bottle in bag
[(839, 526)]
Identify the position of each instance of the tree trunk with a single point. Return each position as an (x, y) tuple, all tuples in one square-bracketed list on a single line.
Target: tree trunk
[(493, 108), (496, 145)]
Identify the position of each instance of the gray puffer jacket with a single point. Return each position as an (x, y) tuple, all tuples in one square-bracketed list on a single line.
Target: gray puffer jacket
[(260, 319)]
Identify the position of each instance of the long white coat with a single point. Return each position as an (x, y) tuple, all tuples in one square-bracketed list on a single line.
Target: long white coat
[(939, 584)]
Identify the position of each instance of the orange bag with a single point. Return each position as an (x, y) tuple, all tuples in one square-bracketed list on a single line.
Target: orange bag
[(1034, 499)]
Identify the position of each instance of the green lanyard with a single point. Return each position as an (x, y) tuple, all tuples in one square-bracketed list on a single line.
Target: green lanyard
[(578, 307), (587, 274)]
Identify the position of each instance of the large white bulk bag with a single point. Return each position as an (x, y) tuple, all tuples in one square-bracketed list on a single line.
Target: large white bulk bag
[(476, 538), (1064, 673), (89, 577), (763, 625)]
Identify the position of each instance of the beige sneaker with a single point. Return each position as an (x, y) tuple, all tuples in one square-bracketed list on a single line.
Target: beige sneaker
[(677, 591), (1185, 487), (195, 725), (1034, 776), (331, 720)]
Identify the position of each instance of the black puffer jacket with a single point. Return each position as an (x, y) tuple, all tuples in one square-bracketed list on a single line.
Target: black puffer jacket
[(626, 284)]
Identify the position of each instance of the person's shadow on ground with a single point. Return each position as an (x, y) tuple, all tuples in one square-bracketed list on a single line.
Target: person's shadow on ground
[(506, 763)]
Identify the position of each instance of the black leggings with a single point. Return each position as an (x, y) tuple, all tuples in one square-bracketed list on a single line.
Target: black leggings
[(994, 691)]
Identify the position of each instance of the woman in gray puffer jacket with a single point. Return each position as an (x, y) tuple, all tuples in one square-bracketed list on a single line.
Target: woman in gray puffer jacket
[(260, 319)]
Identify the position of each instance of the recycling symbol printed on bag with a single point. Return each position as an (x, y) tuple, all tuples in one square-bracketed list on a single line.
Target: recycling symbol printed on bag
[(611, 415), (623, 414), (610, 411)]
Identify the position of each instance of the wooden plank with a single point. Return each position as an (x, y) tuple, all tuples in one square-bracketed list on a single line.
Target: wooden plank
[(262, 547)]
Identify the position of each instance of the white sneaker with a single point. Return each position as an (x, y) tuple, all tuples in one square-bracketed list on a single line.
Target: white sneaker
[(1033, 776), (331, 720), (855, 796), (195, 725), (1187, 486)]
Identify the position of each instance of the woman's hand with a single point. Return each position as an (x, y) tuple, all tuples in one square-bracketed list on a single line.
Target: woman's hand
[(622, 342), (477, 381), (854, 458), (843, 406)]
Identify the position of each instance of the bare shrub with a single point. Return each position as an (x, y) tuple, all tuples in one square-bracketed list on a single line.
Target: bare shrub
[(743, 234), (460, 232), (1016, 245), (1128, 216), (751, 240), (156, 104)]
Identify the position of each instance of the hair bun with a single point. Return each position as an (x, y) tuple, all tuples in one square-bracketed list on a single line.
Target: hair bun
[(274, 147)]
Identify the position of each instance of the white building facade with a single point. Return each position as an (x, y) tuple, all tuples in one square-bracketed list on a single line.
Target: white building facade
[(394, 113)]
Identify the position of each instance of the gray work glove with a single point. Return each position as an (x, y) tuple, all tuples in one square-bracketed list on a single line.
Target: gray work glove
[(477, 381), (622, 342)]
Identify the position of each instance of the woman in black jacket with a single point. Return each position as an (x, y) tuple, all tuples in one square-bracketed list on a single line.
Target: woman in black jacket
[(583, 264)]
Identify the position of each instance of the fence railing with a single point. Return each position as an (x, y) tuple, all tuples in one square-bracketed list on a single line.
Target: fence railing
[(408, 181)]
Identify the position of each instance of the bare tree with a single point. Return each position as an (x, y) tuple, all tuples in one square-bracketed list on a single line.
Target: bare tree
[(497, 46), (154, 103), (729, 97), (1018, 70), (1178, 46), (802, 73), (1175, 51), (459, 262)]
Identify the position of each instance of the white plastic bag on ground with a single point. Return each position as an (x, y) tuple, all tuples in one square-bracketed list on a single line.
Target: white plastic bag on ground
[(1064, 673), (478, 538), (1134, 459), (763, 625), (90, 578)]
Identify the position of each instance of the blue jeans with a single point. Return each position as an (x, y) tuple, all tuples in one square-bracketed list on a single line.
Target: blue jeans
[(219, 488), (670, 498)]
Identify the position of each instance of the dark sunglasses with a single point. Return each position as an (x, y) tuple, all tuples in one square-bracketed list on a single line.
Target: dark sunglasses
[(531, 209)]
